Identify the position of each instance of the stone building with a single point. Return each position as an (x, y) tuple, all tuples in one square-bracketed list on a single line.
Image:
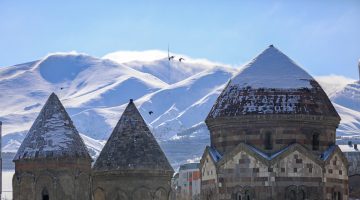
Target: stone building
[(132, 165), (52, 161), (352, 153), (272, 133)]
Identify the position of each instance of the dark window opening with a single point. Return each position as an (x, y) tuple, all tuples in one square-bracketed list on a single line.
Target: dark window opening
[(247, 195), (337, 196), (292, 195), (45, 194), (268, 141), (301, 195), (238, 196), (315, 142)]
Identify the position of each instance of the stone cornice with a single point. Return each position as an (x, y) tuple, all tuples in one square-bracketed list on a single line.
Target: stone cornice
[(265, 119), (131, 173)]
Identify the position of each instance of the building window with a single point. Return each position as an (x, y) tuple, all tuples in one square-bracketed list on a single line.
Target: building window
[(337, 196), (292, 195), (268, 141), (45, 194), (315, 142), (295, 170), (238, 196), (247, 195), (301, 194)]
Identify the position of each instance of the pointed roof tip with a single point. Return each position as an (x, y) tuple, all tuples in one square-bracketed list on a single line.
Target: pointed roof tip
[(131, 101), (132, 146), (53, 96), (271, 46), (52, 134)]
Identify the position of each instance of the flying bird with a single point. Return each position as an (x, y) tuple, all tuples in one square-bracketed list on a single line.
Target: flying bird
[(61, 88), (180, 59), (171, 57), (151, 112)]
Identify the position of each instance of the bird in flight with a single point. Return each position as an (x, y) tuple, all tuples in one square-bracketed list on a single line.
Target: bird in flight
[(181, 59), (151, 112), (171, 57)]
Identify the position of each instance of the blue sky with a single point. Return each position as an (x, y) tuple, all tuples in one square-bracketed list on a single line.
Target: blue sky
[(323, 36)]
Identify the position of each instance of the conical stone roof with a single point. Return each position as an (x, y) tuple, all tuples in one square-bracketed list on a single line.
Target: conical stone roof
[(132, 146), (272, 83), (53, 135)]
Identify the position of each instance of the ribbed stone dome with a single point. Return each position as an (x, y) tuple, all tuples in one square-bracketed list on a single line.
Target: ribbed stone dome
[(271, 103), (272, 84)]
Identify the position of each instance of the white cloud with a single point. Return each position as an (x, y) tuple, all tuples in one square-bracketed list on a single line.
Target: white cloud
[(152, 55), (333, 83)]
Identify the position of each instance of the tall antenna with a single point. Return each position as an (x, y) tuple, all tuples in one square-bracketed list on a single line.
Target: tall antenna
[(359, 68), (168, 51)]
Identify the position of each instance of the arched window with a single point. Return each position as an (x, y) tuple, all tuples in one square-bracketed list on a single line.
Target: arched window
[(292, 195), (315, 141), (268, 141), (238, 196), (45, 194), (247, 195), (301, 194)]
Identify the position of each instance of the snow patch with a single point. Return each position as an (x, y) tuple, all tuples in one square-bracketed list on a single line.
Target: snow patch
[(272, 69)]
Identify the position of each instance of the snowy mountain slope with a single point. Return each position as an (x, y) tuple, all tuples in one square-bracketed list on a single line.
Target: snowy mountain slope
[(333, 83), (349, 96), (350, 121), (81, 81), (90, 80), (157, 63), (185, 103), (174, 108), (12, 146), (95, 92)]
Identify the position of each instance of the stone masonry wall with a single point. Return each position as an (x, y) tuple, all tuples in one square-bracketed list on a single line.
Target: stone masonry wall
[(131, 186), (226, 134), (70, 180)]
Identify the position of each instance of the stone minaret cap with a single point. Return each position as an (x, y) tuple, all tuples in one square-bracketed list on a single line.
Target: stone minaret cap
[(52, 135)]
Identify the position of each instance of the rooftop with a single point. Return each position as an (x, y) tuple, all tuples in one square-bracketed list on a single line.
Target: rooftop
[(53, 135), (132, 146)]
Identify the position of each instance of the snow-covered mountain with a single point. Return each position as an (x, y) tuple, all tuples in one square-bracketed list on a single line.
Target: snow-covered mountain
[(349, 96), (95, 91)]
